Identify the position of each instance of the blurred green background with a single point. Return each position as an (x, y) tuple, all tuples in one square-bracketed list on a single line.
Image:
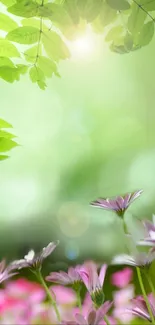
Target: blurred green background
[(90, 134)]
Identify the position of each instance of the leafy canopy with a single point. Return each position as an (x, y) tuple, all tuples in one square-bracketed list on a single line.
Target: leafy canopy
[(6, 139), (39, 37)]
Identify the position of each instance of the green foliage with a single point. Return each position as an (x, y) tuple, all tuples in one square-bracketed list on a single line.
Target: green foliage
[(119, 4), (37, 76), (4, 124), (48, 66), (71, 8), (24, 35), (32, 22), (7, 49), (26, 8), (149, 5), (6, 62), (54, 46), (146, 33), (89, 9), (6, 23), (6, 142), (107, 15), (11, 74), (136, 20), (45, 23), (8, 3), (115, 32), (31, 54)]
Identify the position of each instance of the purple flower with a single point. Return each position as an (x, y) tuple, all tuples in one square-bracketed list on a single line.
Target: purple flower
[(139, 307), (94, 316), (149, 237), (33, 260), (93, 281), (6, 272), (122, 278), (118, 204), (140, 259), (63, 278)]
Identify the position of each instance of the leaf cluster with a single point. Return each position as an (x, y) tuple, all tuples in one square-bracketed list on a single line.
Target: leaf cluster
[(38, 38), (6, 139)]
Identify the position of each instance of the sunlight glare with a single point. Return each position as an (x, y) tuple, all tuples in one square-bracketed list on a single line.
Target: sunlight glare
[(84, 46)]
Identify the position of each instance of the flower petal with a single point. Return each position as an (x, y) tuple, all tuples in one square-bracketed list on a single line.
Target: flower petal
[(80, 319), (122, 278), (48, 249), (139, 312), (102, 311), (123, 259), (92, 317), (2, 266), (102, 274), (59, 277)]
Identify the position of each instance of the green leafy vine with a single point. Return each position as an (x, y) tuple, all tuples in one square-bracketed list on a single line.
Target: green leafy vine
[(44, 26)]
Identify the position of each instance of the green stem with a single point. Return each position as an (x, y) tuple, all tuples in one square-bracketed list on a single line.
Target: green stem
[(125, 228), (150, 283), (53, 302), (39, 41), (79, 300), (106, 320), (145, 295)]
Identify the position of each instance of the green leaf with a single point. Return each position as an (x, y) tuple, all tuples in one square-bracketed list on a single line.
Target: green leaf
[(6, 23), (118, 4), (128, 42), (72, 9), (107, 15), (146, 34), (55, 46), (22, 68), (9, 74), (42, 85), (7, 135), (114, 34), (149, 5), (3, 157), (8, 49), (5, 125), (33, 22), (136, 20), (49, 9), (24, 35), (97, 26), (121, 49), (7, 144), (30, 54), (25, 8), (89, 9), (8, 3), (47, 66), (40, 2), (6, 62), (59, 17), (36, 74)]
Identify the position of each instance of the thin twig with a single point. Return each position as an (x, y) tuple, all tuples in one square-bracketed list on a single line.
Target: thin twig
[(39, 40), (142, 8)]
